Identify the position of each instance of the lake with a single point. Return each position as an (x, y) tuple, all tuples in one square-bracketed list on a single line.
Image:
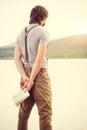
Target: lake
[(69, 91)]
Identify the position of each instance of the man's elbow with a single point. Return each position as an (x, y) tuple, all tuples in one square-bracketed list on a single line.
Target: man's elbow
[(16, 58), (40, 60)]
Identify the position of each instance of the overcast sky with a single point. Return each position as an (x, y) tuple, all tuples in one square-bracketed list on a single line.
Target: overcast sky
[(66, 17)]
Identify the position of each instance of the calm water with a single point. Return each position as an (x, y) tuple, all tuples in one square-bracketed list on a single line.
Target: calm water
[(69, 87)]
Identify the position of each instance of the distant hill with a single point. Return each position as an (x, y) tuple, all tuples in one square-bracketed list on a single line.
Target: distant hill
[(7, 52), (68, 47)]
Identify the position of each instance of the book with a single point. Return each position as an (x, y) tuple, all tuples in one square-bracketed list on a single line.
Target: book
[(20, 96)]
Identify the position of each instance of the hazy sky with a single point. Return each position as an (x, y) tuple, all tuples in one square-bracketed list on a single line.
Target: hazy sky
[(66, 17)]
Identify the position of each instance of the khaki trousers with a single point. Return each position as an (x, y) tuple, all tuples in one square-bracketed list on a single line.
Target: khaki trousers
[(41, 95)]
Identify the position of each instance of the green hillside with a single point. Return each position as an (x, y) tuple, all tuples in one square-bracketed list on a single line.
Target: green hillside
[(6, 52), (68, 47)]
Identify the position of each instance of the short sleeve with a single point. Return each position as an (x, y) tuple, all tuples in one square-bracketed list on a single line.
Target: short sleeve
[(20, 37), (44, 37)]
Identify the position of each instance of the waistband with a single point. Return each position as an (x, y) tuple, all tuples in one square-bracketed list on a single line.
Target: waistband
[(30, 68)]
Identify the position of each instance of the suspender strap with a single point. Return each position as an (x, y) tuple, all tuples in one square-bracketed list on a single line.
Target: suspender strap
[(26, 50)]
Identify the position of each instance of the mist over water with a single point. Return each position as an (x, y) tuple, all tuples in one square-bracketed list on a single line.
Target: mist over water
[(69, 91)]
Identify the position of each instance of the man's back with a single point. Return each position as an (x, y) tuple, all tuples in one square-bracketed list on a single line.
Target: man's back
[(37, 35)]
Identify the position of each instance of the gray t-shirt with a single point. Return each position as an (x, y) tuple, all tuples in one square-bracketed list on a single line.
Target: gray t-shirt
[(37, 35)]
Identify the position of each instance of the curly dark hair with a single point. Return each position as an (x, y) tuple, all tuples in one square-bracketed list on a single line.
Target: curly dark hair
[(38, 13)]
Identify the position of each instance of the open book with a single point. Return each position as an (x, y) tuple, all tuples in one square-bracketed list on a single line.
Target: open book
[(20, 96)]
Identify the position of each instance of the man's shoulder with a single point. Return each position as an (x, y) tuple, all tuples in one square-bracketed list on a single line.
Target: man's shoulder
[(21, 33), (42, 30)]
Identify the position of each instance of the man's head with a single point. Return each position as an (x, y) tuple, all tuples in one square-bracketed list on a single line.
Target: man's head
[(38, 15)]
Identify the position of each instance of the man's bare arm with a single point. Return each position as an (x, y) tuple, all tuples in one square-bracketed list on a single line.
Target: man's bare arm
[(18, 62)]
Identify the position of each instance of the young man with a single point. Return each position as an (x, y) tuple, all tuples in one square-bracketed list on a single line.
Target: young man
[(34, 74)]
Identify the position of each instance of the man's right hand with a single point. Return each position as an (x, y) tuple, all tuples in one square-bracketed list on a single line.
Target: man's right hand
[(25, 80), (27, 85)]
